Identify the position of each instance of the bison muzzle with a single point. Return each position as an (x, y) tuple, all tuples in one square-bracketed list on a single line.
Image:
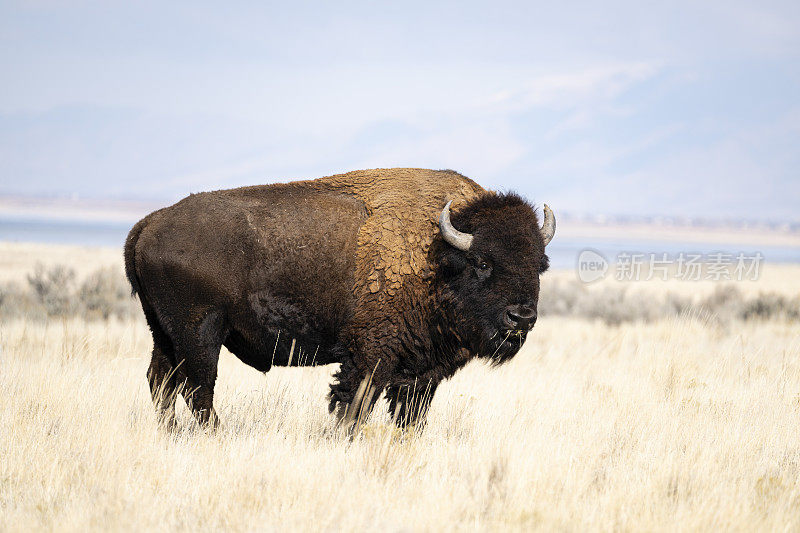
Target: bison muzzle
[(401, 276)]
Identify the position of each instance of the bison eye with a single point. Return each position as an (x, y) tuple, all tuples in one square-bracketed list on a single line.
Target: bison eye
[(483, 269)]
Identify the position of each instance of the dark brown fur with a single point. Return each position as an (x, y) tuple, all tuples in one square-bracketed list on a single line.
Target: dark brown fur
[(347, 269)]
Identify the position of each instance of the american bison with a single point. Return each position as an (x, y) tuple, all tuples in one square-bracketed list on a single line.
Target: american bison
[(369, 269)]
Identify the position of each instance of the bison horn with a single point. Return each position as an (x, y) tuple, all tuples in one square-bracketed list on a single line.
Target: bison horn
[(549, 226), (459, 240)]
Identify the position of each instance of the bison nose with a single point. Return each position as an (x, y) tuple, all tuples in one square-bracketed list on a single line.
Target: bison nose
[(519, 317)]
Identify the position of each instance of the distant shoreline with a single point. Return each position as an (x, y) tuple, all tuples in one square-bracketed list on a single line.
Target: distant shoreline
[(105, 224), (691, 230), (638, 231)]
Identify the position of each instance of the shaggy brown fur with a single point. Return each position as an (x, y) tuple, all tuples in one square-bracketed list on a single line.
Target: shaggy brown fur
[(346, 269)]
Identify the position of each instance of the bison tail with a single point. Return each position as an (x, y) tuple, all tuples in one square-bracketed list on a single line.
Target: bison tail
[(130, 255)]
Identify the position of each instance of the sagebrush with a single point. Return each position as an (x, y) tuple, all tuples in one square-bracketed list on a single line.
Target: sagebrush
[(55, 291)]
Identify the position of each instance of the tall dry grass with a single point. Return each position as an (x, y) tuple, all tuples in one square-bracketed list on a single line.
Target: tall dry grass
[(678, 423)]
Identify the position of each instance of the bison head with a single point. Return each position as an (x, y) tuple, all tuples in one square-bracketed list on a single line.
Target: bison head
[(488, 271)]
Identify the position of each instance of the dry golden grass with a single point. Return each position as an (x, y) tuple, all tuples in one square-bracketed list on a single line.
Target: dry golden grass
[(677, 424), (17, 260)]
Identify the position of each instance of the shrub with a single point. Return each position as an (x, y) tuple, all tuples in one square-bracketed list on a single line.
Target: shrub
[(105, 293), (618, 304), (611, 304), (723, 304), (53, 288), (771, 305), (15, 301), (53, 292)]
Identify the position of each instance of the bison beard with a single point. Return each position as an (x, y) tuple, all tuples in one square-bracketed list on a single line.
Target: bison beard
[(364, 269)]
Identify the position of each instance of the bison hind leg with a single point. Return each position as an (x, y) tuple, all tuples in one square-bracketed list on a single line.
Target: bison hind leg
[(163, 388), (161, 373), (197, 349)]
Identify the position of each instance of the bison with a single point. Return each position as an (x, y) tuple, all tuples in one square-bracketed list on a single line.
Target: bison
[(369, 269)]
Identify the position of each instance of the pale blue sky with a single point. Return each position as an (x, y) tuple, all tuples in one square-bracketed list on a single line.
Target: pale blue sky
[(615, 107)]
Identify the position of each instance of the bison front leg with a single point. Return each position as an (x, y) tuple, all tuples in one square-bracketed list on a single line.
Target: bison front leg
[(351, 416), (409, 402), (197, 355), (352, 397), (198, 390)]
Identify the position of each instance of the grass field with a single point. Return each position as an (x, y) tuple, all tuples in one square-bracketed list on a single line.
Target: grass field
[(679, 423)]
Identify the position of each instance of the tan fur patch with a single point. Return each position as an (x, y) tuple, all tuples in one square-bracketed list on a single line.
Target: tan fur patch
[(404, 207)]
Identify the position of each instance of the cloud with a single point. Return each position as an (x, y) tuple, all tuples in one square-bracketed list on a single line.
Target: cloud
[(592, 84), (659, 102)]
